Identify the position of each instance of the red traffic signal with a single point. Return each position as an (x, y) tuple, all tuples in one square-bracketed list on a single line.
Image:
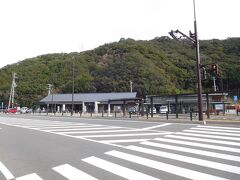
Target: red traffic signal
[(215, 68)]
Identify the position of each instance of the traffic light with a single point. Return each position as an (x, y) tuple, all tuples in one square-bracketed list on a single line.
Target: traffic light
[(214, 68)]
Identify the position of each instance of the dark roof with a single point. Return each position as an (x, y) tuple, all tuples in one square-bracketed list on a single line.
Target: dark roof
[(87, 97)]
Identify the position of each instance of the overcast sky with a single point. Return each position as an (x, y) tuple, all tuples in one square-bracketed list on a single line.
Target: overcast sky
[(34, 27)]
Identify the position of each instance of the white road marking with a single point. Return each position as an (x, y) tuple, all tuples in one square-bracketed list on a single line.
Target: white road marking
[(59, 127), (124, 140), (219, 130), (122, 135), (207, 132), (117, 169), (209, 136), (191, 160), (32, 176), (194, 151), (187, 173), (54, 126), (204, 140), (107, 131), (209, 146), (153, 127), (72, 173), (6, 173), (82, 129), (219, 127)]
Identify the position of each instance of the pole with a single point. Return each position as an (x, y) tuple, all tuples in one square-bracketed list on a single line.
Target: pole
[(214, 84), (199, 81), (131, 83), (73, 78)]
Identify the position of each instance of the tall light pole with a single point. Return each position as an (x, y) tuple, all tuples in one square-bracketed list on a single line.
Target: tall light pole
[(193, 37)]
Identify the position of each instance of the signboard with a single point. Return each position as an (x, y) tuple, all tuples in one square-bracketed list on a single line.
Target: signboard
[(219, 106), (235, 99)]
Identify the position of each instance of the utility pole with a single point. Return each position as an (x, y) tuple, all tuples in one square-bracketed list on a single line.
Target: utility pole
[(198, 65), (73, 79), (131, 83), (193, 37), (50, 86), (214, 84), (12, 92)]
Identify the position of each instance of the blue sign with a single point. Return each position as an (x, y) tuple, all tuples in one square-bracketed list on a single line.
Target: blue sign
[(235, 99)]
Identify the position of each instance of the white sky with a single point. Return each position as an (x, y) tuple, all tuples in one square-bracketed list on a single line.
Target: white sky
[(34, 27)]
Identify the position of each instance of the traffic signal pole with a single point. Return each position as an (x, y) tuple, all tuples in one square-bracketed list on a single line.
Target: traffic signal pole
[(193, 37), (198, 69)]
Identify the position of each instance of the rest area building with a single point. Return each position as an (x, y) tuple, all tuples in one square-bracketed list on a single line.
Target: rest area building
[(89, 102)]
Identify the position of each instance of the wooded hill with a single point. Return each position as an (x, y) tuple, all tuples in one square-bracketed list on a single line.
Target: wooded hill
[(158, 66)]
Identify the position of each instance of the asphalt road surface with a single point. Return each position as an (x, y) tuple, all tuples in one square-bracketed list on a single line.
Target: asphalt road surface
[(60, 148)]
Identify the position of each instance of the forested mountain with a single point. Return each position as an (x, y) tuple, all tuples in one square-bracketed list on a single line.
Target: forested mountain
[(158, 66)]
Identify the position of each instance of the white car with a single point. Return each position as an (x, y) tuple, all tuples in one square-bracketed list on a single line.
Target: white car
[(24, 110), (163, 110)]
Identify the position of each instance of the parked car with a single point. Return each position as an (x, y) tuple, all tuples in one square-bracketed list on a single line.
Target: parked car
[(154, 110), (23, 110), (132, 110), (163, 110), (11, 110), (149, 110)]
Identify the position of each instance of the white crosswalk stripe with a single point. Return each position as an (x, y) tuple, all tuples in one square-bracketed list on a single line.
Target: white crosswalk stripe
[(219, 130), (207, 132), (186, 137), (117, 169), (6, 173), (218, 127), (33, 176), (72, 173)]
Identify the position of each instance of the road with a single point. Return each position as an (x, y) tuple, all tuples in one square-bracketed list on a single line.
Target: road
[(60, 148)]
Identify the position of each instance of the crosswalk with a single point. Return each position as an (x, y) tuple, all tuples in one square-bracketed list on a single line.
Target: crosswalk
[(112, 135), (200, 152)]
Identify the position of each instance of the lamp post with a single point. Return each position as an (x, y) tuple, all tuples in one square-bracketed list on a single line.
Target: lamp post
[(193, 37)]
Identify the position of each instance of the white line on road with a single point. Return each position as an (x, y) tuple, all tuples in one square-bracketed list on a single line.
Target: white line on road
[(7, 174), (179, 171), (32, 176), (204, 140), (82, 129), (123, 140), (117, 169), (219, 127), (122, 135), (209, 146), (153, 127), (191, 160), (194, 151), (209, 136), (62, 126), (207, 132), (107, 131), (219, 130), (72, 173)]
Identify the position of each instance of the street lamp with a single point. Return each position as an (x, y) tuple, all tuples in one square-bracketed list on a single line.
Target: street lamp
[(193, 37)]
